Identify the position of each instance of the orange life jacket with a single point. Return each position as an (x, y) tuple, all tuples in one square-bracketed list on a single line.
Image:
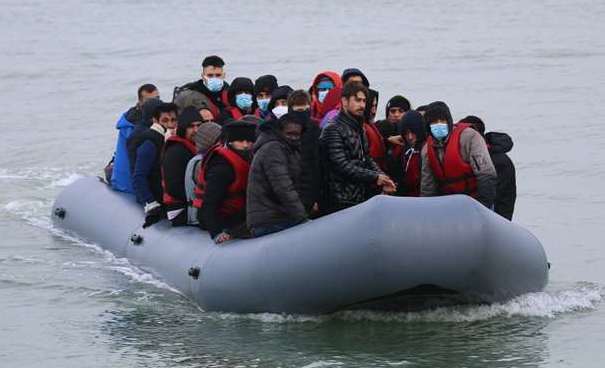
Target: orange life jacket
[(453, 175), (235, 201)]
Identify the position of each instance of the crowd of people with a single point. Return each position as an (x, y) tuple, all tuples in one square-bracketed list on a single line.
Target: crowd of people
[(251, 158)]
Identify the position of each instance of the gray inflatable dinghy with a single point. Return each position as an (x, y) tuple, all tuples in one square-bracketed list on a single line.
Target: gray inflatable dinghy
[(369, 256)]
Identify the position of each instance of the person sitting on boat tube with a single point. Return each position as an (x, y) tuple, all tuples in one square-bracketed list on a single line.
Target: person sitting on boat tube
[(455, 159), (350, 172), (273, 198), (178, 150), (144, 154), (222, 180)]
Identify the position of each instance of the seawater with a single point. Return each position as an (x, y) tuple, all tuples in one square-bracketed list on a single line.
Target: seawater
[(68, 69)]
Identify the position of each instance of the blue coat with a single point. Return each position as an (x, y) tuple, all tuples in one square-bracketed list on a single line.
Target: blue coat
[(120, 178)]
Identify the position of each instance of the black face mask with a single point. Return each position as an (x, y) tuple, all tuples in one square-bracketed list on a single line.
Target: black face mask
[(245, 154), (302, 116)]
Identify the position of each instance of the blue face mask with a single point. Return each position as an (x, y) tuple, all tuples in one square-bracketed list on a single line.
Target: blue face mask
[(214, 84), (263, 103), (321, 95), (439, 131), (243, 101)]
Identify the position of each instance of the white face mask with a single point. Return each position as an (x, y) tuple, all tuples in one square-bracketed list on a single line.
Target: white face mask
[(280, 111)]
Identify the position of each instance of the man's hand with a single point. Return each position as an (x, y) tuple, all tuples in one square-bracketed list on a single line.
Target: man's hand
[(388, 186), (153, 213), (222, 237)]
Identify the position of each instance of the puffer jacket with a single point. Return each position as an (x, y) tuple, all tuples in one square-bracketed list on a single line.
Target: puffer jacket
[(273, 184), (348, 168)]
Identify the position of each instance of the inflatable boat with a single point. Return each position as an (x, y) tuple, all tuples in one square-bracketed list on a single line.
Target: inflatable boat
[(369, 256)]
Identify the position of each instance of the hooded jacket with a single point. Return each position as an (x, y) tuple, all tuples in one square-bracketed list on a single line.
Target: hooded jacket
[(316, 106), (217, 101), (499, 144), (274, 181), (349, 171), (403, 162), (120, 177)]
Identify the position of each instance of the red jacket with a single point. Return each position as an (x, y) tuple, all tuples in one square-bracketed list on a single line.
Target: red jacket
[(453, 175), (376, 145)]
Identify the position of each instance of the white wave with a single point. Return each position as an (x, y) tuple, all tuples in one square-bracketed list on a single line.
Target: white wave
[(65, 181), (582, 297), (34, 212), (323, 363)]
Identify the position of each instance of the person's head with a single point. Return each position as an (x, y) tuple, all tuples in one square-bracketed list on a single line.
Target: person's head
[(147, 110), (422, 109), (355, 75), (188, 123), (190, 98), (371, 106), (354, 98), (278, 104), (299, 101), (240, 135), (213, 73), (263, 87), (475, 122), (291, 128), (207, 136), (206, 115), (165, 115), (146, 92), (241, 93), (412, 129), (438, 120), (396, 108)]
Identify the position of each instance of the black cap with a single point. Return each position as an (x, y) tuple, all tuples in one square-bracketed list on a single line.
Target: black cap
[(266, 83), (239, 131), (281, 92), (398, 101), (348, 73), (188, 116)]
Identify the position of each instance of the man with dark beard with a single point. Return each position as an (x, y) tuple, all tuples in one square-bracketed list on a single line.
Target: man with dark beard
[(350, 172)]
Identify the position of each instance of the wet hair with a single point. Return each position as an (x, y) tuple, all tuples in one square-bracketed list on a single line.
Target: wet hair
[(213, 60), (163, 108), (299, 97), (475, 122), (147, 88), (351, 88)]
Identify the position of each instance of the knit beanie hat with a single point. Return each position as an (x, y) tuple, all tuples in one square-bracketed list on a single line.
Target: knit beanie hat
[(190, 98), (207, 136), (281, 92), (188, 116), (265, 83), (397, 101)]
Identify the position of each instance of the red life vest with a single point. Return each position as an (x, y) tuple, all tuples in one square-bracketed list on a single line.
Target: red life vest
[(375, 144), (453, 175), (236, 114), (167, 198), (235, 201), (212, 106)]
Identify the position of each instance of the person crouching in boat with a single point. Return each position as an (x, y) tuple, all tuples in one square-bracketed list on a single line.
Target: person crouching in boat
[(350, 172), (273, 200), (222, 181), (455, 159), (498, 145), (405, 162), (206, 137), (178, 150), (145, 148)]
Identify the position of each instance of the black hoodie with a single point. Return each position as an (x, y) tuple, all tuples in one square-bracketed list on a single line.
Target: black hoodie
[(499, 144)]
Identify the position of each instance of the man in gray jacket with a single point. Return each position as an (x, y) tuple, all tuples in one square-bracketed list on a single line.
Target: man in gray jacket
[(273, 201), (455, 159)]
